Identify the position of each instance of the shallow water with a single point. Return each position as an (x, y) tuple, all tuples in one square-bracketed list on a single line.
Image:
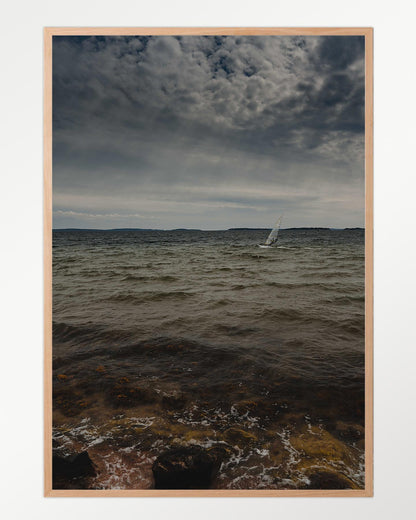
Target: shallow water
[(165, 338)]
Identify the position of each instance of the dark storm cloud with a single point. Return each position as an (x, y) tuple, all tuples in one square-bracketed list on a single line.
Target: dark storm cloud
[(208, 131), (334, 52)]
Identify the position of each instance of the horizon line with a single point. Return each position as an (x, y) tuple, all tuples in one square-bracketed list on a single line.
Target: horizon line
[(198, 229)]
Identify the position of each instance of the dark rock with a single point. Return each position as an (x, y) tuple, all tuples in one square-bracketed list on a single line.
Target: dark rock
[(350, 433), (126, 395), (328, 480), (174, 402), (75, 468), (187, 468)]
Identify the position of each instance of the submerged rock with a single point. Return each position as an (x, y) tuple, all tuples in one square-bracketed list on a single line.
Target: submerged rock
[(239, 436), (190, 467), (70, 402), (125, 395), (350, 433), (174, 402), (329, 480), (72, 471)]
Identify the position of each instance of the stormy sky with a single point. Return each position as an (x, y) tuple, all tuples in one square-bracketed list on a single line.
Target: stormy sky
[(208, 132)]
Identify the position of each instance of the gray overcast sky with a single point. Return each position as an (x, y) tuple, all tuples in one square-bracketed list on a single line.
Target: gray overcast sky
[(208, 132)]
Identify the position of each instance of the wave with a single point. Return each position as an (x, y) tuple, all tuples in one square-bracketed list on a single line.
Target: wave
[(234, 330), (65, 332), (134, 278), (326, 286), (221, 303), (344, 300), (149, 296), (353, 325), (79, 335), (163, 278)]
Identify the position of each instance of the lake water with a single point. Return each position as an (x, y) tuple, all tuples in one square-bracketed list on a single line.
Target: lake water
[(177, 338)]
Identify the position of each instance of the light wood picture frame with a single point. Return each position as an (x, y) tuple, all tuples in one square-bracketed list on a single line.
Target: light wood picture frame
[(339, 438)]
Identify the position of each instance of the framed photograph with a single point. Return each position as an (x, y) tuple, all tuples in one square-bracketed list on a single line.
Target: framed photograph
[(208, 261)]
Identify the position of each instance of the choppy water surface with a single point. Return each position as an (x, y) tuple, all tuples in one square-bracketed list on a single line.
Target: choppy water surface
[(166, 338)]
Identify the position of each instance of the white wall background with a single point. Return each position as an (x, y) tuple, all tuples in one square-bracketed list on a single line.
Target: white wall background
[(21, 486)]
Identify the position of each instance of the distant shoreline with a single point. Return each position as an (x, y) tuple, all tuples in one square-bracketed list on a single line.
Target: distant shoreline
[(210, 230)]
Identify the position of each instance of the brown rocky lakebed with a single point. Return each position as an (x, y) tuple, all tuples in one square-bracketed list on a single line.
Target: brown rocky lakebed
[(275, 433)]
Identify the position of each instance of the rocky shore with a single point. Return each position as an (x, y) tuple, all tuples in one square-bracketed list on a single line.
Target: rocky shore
[(117, 425)]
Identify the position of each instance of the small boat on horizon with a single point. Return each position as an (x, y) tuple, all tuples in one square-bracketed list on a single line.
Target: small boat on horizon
[(272, 238)]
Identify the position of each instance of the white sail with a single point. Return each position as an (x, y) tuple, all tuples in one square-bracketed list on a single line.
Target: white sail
[(272, 238)]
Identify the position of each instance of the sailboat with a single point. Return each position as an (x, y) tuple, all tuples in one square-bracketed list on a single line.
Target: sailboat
[(272, 238)]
